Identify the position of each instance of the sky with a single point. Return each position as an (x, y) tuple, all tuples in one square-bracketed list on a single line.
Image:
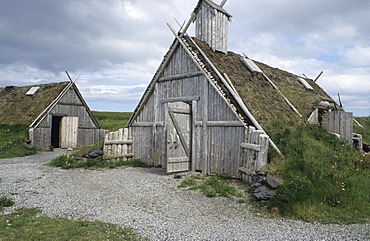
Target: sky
[(114, 47)]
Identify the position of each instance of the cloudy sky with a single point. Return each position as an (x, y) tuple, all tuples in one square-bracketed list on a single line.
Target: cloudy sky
[(115, 46)]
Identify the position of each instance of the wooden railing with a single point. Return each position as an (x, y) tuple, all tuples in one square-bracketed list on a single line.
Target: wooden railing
[(118, 145), (253, 156)]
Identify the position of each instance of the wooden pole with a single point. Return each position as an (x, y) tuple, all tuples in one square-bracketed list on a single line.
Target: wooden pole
[(318, 76), (223, 3)]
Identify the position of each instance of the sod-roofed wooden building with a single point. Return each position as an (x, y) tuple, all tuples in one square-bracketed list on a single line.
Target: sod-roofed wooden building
[(56, 114), (200, 103)]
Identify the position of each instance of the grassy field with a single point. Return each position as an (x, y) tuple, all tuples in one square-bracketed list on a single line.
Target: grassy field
[(12, 141), (112, 121), (27, 224), (324, 179)]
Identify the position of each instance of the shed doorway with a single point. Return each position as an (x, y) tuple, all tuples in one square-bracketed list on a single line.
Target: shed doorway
[(178, 137), (55, 131), (64, 131)]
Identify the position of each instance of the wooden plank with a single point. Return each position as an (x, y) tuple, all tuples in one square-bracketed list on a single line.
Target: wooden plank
[(117, 142), (119, 156), (180, 99), (194, 136), (180, 133), (142, 124), (262, 154), (250, 146), (180, 76), (225, 123)]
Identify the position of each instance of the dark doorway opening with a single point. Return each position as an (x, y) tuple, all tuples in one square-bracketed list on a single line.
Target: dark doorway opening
[(55, 131)]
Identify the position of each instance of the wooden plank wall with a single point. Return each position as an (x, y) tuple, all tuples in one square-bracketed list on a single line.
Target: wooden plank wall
[(212, 28), (68, 132), (69, 105), (253, 155), (341, 123), (118, 145)]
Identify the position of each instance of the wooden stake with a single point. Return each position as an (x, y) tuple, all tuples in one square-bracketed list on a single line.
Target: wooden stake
[(318, 76)]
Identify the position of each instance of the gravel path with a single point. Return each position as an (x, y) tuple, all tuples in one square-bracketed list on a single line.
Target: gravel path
[(150, 202)]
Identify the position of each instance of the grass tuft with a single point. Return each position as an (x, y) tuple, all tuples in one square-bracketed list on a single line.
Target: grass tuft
[(211, 186)]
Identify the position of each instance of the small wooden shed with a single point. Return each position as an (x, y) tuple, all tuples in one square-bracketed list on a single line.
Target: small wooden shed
[(56, 113), (196, 111)]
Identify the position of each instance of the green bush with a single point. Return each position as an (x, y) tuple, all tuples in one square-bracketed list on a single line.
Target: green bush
[(324, 179)]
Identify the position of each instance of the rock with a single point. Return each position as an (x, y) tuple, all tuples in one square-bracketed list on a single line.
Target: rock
[(257, 178), (177, 176), (95, 154), (263, 193), (272, 182), (365, 147), (256, 185)]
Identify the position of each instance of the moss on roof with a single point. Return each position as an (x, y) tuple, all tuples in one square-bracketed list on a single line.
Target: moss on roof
[(18, 108), (262, 100)]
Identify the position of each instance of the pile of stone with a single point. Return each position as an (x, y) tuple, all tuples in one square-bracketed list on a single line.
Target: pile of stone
[(262, 184)]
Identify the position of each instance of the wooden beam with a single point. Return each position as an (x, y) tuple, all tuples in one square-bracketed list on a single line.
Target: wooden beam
[(180, 99), (225, 123), (250, 146), (180, 76), (127, 142), (118, 156), (147, 124), (318, 76)]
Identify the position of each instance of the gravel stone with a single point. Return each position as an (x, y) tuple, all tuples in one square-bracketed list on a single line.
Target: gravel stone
[(149, 201)]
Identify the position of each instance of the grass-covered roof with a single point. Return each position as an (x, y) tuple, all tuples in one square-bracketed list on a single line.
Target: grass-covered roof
[(18, 108), (263, 101)]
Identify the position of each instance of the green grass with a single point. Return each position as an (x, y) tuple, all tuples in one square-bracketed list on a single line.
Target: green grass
[(365, 132), (112, 121), (12, 141), (324, 179), (27, 224), (211, 186)]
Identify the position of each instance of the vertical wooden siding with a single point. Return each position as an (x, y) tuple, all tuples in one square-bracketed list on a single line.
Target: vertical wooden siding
[(215, 147), (212, 28), (69, 105), (341, 123)]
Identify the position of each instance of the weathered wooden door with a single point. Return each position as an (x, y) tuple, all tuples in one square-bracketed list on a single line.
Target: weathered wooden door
[(178, 128), (68, 132)]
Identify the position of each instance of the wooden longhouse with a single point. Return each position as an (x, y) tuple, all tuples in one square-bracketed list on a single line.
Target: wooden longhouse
[(56, 113), (203, 99)]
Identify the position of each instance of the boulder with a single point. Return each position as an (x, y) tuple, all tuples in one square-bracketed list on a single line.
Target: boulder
[(95, 154), (272, 182), (263, 193)]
